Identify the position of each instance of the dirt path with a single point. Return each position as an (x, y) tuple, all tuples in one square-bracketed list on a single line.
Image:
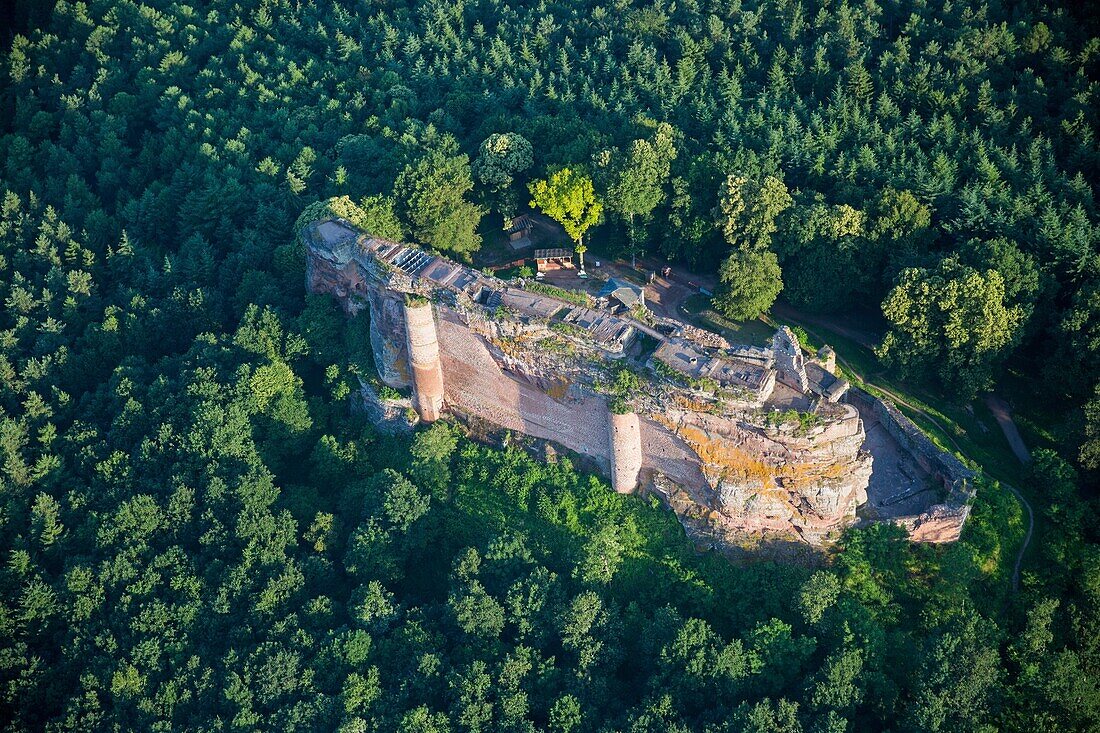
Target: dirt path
[(860, 336), (1003, 413), (665, 295)]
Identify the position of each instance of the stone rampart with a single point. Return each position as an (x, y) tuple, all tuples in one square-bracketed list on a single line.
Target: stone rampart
[(942, 522)]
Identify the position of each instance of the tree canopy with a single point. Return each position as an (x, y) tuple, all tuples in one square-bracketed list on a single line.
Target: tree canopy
[(951, 321), (431, 191), (750, 281), (200, 530), (501, 157)]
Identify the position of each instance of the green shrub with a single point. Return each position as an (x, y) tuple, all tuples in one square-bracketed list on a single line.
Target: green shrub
[(570, 296)]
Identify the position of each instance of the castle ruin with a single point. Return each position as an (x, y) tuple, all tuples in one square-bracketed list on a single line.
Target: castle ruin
[(742, 442)]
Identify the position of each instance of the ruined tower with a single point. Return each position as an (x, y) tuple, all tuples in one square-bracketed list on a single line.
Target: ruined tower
[(625, 435), (789, 361), (827, 356), (427, 370)]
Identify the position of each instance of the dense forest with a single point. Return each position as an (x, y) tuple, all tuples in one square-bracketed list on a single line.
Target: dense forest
[(198, 533)]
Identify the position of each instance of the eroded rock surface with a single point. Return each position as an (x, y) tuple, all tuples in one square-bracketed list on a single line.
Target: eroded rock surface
[(739, 442)]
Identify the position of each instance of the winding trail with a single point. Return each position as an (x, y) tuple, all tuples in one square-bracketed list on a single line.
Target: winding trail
[(1003, 414)]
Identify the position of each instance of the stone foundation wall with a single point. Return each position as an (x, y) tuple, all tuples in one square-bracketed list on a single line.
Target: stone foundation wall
[(477, 385)]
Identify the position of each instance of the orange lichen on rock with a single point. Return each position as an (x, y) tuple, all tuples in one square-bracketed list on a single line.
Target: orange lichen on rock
[(693, 404), (558, 388), (796, 475), (732, 462)]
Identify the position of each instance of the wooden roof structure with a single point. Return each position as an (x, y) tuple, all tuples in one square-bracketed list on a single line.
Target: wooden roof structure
[(553, 254)]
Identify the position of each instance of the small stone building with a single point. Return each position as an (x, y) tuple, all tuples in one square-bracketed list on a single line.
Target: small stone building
[(519, 228)]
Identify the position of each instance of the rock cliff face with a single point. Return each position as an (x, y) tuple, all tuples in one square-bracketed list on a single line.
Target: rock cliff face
[(765, 480), (737, 455)]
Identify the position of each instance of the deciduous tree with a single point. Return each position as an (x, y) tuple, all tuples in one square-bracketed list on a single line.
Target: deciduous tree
[(950, 321), (431, 194), (568, 197), (501, 157), (750, 282)]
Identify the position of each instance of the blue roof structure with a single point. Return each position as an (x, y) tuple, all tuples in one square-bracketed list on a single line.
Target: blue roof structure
[(625, 292)]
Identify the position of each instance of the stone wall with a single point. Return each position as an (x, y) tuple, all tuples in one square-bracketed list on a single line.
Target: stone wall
[(478, 384), (504, 364), (789, 361), (942, 522), (948, 469)]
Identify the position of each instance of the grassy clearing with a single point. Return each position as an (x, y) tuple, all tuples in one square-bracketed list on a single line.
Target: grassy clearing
[(698, 312), (569, 296)]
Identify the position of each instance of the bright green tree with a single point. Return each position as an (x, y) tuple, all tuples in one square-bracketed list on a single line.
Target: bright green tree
[(568, 197), (603, 554), (372, 214), (635, 180), (950, 321), (749, 210)]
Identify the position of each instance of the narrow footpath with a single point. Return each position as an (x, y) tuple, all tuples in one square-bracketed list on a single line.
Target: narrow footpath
[(1003, 414)]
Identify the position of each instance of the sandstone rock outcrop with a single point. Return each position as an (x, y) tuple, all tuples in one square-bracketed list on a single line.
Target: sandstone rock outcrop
[(736, 439)]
